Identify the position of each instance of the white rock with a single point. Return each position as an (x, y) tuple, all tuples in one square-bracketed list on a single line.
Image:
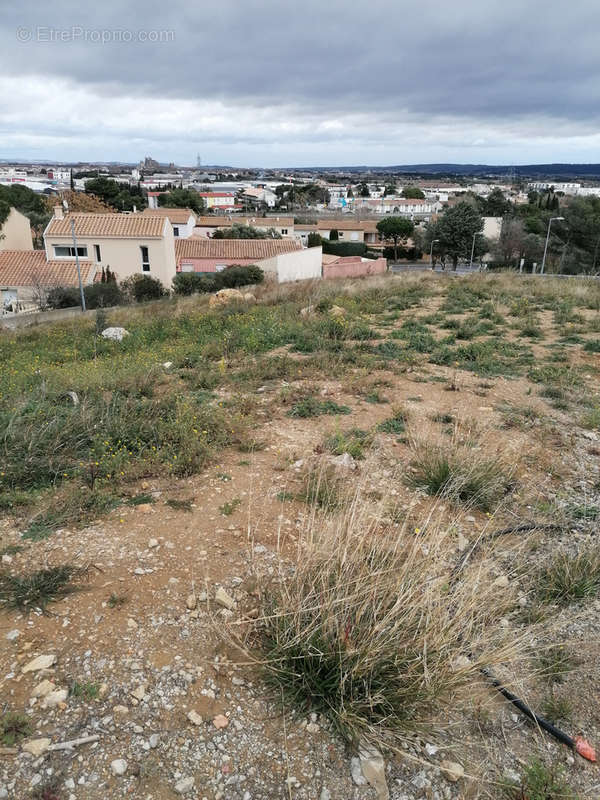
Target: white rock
[(356, 772), (191, 602), (153, 543), (184, 786), (154, 740), (131, 624), (41, 662), (501, 582), (36, 746), (325, 794), (167, 364), (116, 334), (12, 635), (139, 693), (223, 599), (452, 771), (220, 721), (54, 698), (344, 462), (373, 768), (6, 559), (431, 749), (118, 766), (43, 688), (195, 718)]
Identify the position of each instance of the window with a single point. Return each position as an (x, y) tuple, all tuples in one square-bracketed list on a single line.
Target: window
[(62, 251), (220, 267), (175, 230), (145, 259), (97, 252), (186, 266), (284, 231)]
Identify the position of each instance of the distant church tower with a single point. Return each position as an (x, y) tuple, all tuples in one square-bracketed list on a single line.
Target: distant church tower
[(198, 161)]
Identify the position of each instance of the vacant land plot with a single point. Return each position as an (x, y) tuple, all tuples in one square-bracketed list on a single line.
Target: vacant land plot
[(258, 542)]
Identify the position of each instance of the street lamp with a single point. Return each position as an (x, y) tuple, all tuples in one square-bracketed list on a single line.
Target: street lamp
[(433, 241), (552, 219)]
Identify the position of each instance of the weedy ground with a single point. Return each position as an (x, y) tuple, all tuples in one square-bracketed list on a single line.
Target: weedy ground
[(205, 450)]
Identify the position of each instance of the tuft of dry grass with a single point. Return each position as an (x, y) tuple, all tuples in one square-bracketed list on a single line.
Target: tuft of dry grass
[(369, 630), (460, 475)]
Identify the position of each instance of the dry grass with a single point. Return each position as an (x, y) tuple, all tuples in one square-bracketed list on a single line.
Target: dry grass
[(369, 630)]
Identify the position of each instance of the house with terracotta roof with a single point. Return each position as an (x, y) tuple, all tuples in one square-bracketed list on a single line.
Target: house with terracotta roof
[(129, 244), (206, 226), (221, 200), (281, 259), (348, 229), (15, 232), (26, 277), (182, 220)]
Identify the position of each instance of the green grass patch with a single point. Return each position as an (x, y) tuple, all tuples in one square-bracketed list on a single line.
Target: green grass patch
[(228, 508), (14, 727), (353, 441), (313, 407), (37, 589)]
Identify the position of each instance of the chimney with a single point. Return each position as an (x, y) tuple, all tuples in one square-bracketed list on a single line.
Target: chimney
[(58, 212)]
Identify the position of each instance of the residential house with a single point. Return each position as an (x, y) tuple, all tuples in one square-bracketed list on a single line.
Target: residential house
[(26, 277), (15, 232), (258, 197), (206, 226), (283, 259), (129, 244), (219, 200), (183, 220), (348, 230)]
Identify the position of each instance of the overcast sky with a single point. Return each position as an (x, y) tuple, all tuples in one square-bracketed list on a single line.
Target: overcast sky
[(317, 82)]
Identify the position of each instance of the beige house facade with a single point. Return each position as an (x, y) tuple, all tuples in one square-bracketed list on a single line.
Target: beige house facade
[(128, 244), (15, 232)]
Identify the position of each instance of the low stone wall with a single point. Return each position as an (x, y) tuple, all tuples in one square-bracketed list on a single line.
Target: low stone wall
[(13, 323)]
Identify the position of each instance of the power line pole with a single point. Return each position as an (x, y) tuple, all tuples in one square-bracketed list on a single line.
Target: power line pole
[(78, 268)]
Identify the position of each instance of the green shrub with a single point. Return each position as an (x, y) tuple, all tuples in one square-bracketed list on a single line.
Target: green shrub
[(143, 287)]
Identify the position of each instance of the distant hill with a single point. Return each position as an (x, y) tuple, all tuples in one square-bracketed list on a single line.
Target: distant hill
[(522, 170)]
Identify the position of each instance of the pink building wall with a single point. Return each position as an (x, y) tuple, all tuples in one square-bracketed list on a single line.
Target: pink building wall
[(354, 267)]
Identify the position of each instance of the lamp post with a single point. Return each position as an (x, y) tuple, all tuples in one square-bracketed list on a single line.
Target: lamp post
[(433, 241), (552, 219)]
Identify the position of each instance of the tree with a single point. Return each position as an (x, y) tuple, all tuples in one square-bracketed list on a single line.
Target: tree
[(333, 235), (456, 228), (120, 196), (364, 190), (413, 193), (511, 241), (182, 198), (496, 204), (314, 239), (398, 229), (237, 231), (390, 189), (78, 202)]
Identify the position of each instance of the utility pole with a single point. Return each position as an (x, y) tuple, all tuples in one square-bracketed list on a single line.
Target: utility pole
[(78, 267), (552, 219)]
